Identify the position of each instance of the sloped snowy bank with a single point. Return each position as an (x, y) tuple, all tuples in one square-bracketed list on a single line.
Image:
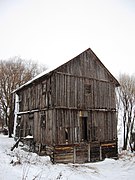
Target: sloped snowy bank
[(22, 165)]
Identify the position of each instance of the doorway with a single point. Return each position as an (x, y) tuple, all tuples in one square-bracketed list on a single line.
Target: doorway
[(84, 128)]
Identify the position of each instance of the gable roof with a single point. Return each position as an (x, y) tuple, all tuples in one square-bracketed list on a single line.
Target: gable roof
[(49, 71), (114, 79)]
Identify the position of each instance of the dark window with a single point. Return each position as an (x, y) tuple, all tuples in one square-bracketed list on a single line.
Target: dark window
[(43, 120), (84, 129), (44, 87), (87, 89)]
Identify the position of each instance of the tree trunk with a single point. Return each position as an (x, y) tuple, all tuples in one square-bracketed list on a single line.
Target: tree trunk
[(128, 129), (126, 138), (11, 124), (124, 133)]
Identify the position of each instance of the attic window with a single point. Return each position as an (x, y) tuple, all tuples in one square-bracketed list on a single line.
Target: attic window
[(87, 88), (44, 87), (43, 120)]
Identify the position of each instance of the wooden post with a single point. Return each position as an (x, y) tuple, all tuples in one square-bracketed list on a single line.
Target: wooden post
[(89, 152), (100, 152), (74, 157)]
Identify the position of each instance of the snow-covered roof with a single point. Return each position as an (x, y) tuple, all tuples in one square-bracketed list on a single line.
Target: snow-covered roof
[(49, 70), (35, 78), (54, 68)]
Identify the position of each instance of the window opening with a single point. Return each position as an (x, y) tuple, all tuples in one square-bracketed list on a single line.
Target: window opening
[(44, 87), (87, 89), (43, 120), (84, 129), (66, 134)]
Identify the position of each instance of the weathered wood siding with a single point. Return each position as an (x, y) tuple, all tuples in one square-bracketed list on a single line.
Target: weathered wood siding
[(101, 126), (71, 111), (77, 84), (84, 93), (38, 95), (84, 152), (59, 123), (40, 124), (87, 65)]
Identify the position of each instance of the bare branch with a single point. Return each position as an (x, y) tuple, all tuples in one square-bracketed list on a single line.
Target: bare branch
[(13, 73)]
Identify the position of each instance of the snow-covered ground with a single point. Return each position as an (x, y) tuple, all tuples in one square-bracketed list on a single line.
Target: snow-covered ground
[(22, 165)]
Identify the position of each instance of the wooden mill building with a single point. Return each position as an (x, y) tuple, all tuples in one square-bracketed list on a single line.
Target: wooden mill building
[(70, 111)]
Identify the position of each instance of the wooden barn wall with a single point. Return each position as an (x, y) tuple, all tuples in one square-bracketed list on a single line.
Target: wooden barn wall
[(62, 126), (87, 65), (106, 124), (36, 128), (40, 125), (101, 126), (68, 91), (81, 83), (83, 93), (48, 129), (71, 110), (67, 122), (38, 95), (101, 132)]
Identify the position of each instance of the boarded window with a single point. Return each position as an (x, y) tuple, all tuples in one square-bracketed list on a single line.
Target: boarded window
[(44, 87), (94, 134), (43, 120), (87, 88)]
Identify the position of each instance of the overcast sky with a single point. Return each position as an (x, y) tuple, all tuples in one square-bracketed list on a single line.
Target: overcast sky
[(54, 31)]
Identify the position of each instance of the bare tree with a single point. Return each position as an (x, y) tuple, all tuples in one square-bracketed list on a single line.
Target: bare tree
[(13, 73), (126, 95)]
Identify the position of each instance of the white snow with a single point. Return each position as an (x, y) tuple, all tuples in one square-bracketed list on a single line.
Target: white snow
[(29, 137), (22, 165)]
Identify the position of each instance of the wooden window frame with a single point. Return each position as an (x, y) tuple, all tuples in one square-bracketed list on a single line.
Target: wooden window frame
[(44, 87), (87, 89), (43, 120), (84, 127)]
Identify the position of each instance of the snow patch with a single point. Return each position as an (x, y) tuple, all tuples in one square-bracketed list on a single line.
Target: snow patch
[(19, 164)]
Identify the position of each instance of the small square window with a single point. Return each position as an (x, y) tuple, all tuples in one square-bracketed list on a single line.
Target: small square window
[(44, 87), (87, 88), (43, 120)]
